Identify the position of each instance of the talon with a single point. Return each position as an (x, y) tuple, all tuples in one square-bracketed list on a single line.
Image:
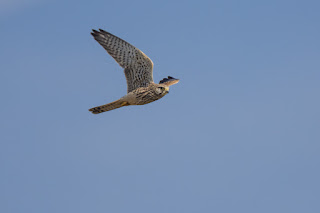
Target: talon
[(124, 103)]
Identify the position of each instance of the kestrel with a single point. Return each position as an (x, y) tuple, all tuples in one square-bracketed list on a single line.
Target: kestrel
[(138, 71)]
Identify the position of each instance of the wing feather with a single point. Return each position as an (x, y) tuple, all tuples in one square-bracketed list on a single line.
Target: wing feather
[(137, 66)]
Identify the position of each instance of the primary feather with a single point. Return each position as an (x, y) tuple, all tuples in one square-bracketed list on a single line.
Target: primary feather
[(137, 66)]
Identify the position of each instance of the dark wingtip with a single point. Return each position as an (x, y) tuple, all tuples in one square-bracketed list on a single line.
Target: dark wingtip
[(167, 79), (94, 32)]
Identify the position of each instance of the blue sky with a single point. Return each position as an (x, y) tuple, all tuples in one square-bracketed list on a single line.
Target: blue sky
[(239, 133)]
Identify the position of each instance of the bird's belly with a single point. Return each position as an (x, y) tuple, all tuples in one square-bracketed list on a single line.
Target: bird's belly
[(148, 98), (146, 101)]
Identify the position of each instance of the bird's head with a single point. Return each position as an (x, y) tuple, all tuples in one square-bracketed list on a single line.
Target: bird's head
[(162, 89), (164, 84)]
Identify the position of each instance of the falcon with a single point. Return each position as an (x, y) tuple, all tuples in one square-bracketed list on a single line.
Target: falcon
[(138, 71)]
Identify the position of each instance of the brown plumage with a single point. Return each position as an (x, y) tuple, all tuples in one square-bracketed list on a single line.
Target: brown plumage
[(138, 71)]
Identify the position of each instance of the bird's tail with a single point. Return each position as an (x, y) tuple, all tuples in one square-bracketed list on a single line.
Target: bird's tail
[(110, 106)]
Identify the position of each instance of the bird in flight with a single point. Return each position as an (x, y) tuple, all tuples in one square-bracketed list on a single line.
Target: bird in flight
[(138, 71)]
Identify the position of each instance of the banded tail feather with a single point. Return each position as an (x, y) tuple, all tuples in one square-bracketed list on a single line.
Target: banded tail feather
[(107, 107)]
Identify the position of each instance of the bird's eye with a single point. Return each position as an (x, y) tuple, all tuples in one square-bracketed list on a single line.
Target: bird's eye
[(160, 90)]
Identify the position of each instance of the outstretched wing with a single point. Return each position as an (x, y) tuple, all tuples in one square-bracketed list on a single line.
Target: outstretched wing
[(137, 66)]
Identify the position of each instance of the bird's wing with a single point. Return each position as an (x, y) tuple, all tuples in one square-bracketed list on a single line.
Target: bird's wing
[(137, 66)]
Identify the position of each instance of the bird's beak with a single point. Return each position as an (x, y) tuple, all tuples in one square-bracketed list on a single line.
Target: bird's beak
[(167, 89)]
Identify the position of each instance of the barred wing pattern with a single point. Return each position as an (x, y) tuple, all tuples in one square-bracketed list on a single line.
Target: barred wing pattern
[(137, 66)]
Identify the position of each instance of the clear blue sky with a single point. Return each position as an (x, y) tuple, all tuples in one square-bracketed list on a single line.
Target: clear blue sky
[(239, 133)]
